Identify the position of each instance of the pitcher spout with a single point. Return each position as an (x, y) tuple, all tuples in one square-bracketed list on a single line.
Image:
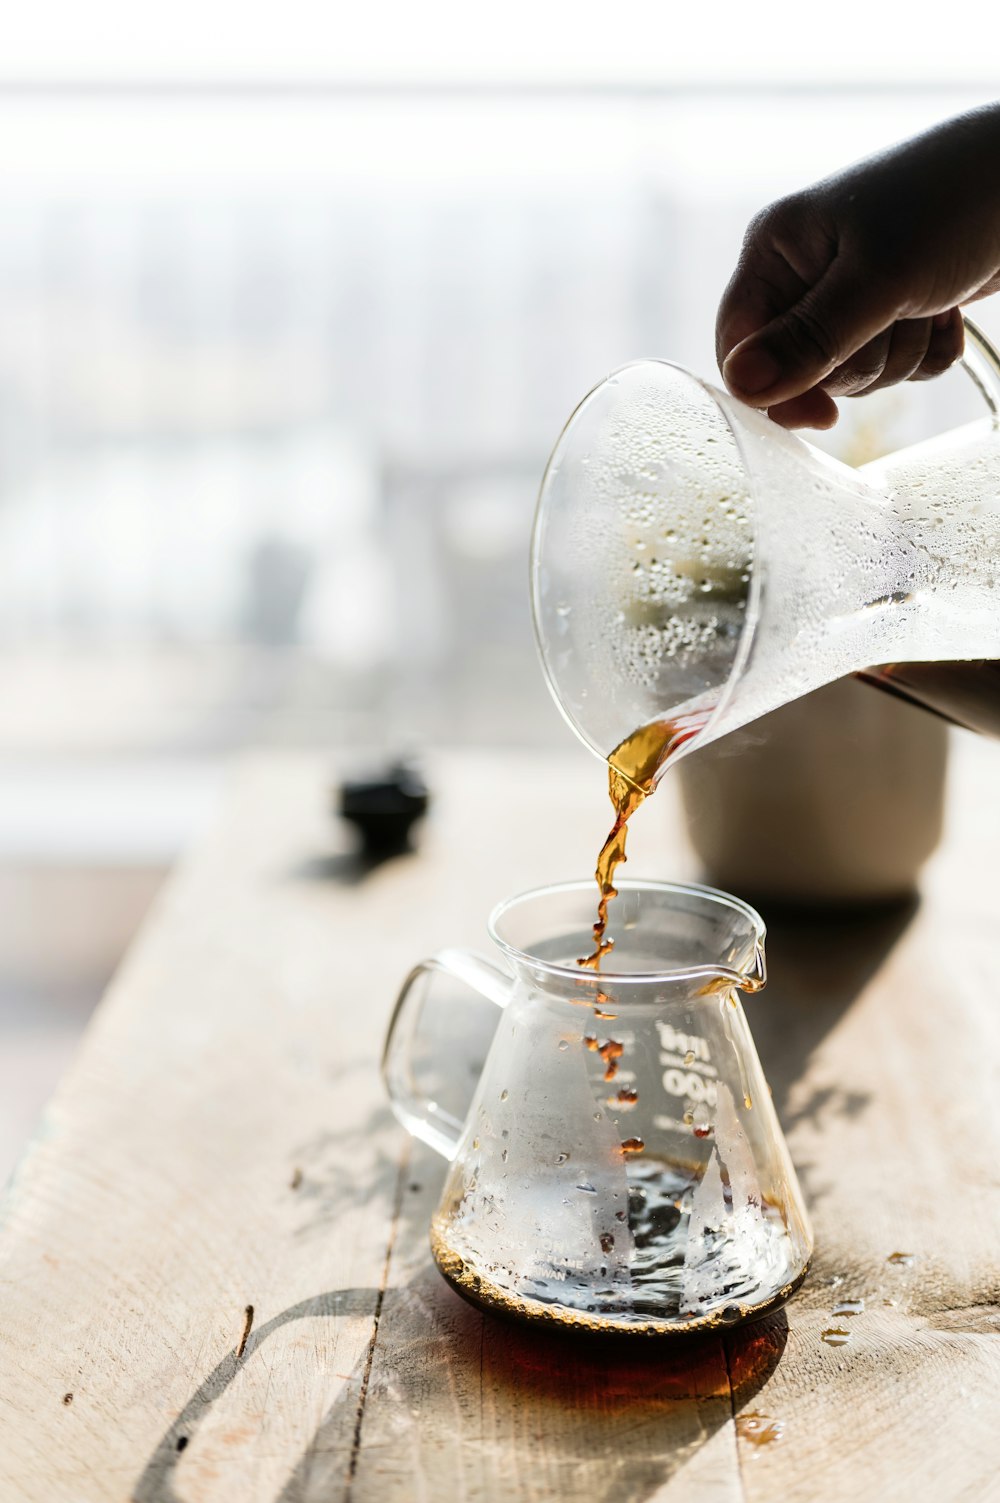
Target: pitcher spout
[(755, 979)]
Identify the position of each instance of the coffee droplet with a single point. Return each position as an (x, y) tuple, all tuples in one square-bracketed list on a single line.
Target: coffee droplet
[(627, 1097), (901, 1259), (689, 1057), (633, 1145), (835, 1336), (849, 1307), (611, 1052), (759, 1429)]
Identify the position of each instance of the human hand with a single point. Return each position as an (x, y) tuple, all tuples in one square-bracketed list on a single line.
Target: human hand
[(855, 283)]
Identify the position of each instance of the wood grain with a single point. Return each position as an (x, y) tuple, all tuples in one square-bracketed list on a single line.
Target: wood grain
[(222, 1142)]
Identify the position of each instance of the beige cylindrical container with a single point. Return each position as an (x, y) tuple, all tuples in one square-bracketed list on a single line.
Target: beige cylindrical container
[(834, 799)]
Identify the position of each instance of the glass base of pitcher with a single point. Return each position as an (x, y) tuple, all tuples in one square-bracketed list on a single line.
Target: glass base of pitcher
[(484, 1294)]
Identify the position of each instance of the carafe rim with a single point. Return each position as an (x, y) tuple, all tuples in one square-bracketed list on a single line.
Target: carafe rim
[(722, 401), (751, 981)]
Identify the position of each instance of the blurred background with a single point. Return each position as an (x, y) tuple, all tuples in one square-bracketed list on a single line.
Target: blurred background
[(293, 304)]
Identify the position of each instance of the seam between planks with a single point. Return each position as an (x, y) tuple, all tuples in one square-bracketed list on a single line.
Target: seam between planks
[(397, 1206), (732, 1411)]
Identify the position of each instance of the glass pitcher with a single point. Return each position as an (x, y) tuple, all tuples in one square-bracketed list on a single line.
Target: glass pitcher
[(694, 565), (620, 1168)]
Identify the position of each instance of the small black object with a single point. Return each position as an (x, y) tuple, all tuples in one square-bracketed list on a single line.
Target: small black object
[(384, 809)]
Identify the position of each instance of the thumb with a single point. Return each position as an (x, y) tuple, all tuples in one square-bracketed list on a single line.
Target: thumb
[(800, 347)]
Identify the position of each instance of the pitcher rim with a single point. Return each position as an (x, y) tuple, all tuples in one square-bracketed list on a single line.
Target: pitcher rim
[(629, 884)]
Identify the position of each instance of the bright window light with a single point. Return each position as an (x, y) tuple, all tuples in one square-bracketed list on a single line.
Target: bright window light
[(523, 42)]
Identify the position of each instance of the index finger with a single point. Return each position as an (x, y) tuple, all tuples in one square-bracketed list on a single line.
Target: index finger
[(763, 286)]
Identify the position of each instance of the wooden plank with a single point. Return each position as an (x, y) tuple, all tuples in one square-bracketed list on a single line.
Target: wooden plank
[(159, 1204), (881, 1036), (463, 1406), (881, 1040), (222, 1142)]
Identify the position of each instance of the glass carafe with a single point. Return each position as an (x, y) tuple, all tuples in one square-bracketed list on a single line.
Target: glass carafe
[(620, 1168), (695, 564)]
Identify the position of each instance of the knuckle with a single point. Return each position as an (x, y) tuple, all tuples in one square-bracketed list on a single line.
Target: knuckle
[(864, 372), (867, 365), (812, 339), (782, 217), (851, 380), (945, 347), (790, 209), (936, 362)]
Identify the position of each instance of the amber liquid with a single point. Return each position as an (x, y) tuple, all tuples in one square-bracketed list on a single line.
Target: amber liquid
[(658, 1215), (967, 694), (633, 769)]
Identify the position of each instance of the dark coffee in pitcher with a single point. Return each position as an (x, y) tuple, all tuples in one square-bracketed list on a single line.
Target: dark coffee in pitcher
[(967, 694)]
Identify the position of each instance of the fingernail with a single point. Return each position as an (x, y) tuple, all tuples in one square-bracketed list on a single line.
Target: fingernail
[(750, 369)]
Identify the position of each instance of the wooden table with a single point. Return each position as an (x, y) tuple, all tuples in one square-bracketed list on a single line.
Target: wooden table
[(215, 1275)]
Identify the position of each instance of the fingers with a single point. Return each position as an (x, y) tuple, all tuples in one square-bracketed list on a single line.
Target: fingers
[(914, 349), (813, 313), (814, 409), (947, 343), (765, 281), (803, 346), (864, 369), (905, 345)]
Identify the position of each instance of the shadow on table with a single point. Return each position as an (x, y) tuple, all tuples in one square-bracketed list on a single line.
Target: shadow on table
[(347, 868), (476, 1407), (818, 965), (450, 1402), (631, 1415)]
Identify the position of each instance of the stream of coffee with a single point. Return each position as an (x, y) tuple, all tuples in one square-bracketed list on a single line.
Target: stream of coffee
[(967, 694), (633, 769)]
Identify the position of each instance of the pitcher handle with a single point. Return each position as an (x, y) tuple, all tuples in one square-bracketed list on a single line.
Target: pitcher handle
[(421, 1116), (981, 361)]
